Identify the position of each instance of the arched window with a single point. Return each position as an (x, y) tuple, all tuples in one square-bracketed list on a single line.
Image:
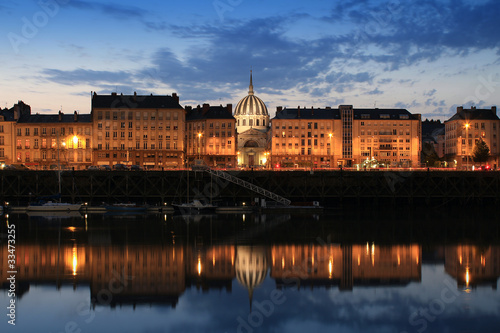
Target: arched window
[(257, 122), (250, 122), (263, 122), (238, 122), (244, 122)]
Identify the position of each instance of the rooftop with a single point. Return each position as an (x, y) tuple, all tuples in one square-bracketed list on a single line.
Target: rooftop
[(115, 101)]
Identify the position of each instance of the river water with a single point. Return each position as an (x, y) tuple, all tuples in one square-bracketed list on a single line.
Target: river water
[(370, 272)]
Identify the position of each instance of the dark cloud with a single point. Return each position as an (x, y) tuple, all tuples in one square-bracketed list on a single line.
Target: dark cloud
[(86, 76), (118, 11)]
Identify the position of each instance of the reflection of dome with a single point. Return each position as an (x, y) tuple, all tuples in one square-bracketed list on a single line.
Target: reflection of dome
[(251, 267), (251, 104)]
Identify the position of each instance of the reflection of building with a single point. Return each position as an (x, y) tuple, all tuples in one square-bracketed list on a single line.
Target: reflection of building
[(345, 136), (251, 267), (252, 121), (135, 129), (473, 265), (466, 128), (210, 135), (160, 273), (345, 265)]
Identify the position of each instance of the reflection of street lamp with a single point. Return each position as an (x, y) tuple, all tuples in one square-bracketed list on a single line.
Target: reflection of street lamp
[(75, 141), (331, 150), (199, 147)]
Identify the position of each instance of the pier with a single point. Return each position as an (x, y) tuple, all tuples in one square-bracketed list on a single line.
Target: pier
[(333, 189)]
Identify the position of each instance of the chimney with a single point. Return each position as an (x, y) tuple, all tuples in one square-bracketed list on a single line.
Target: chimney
[(135, 96), (174, 96), (279, 109), (460, 109), (188, 108), (328, 107), (312, 110), (113, 94), (494, 110), (206, 107), (75, 116), (298, 111), (230, 108), (60, 115)]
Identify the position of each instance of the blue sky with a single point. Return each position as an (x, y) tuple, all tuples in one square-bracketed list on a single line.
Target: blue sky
[(428, 56)]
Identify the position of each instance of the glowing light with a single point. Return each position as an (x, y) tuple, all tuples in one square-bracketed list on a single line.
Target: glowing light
[(75, 260), (330, 135), (359, 260), (199, 266), (467, 277), (330, 268), (467, 125), (367, 248), (373, 249), (282, 262), (483, 260), (460, 260), (399, 260), (75, 140)]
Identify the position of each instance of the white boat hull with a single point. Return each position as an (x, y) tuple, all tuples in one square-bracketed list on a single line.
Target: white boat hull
[(54, 207)]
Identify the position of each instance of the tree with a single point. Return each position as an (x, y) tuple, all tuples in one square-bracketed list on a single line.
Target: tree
[(429, 155), (481, 152)]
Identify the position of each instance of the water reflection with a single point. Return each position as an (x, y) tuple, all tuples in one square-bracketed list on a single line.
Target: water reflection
[(184, 264), (160, 270)]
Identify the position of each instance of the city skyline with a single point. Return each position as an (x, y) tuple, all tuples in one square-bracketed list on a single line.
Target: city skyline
[(427, 57)]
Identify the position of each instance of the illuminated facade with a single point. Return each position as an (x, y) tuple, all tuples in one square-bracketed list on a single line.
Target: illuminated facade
[(135, 129), (465, 129), (211, 135), (345, 136), (252, 123), (8, 119)]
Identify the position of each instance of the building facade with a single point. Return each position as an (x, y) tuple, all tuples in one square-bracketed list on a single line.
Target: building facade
[(54, 141), (143, 130), (463, 131), (252, 123), (309, 137), (211, 135)]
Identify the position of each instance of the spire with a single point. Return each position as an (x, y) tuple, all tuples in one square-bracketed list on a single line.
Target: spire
[(250, 88)]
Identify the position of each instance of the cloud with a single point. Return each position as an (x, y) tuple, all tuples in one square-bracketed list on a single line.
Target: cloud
[(86, 76)]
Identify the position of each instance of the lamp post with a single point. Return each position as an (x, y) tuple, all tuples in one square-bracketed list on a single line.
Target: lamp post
[(199, 147), (331, 150), (467, 146)]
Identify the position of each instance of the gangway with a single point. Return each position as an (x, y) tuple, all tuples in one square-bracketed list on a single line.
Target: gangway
[(200, 165)]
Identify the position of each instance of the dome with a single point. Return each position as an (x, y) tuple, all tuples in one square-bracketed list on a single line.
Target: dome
[(251, 104)]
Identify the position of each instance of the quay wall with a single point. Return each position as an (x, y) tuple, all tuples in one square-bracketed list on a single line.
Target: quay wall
[(332, 189)]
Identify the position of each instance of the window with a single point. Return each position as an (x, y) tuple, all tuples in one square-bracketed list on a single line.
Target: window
[(27, 132)]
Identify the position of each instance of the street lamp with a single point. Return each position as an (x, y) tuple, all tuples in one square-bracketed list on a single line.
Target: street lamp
[(467, 146), (199, 147)]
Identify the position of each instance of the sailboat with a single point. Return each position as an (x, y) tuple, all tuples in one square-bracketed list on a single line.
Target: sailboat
[(47, 204), (195, 206)]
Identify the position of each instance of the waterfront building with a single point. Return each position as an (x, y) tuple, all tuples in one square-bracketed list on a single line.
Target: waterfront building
[(465, 128), (433, 135), (252, 123), (143, 130), (8, 119), (310, 137), (45, 141), (53, 141), (211, 135)]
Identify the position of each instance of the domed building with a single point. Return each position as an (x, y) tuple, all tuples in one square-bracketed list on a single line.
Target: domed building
[(252, 125)]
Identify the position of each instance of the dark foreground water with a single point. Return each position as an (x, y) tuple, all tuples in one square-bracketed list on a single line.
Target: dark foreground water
[(402, 272)]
